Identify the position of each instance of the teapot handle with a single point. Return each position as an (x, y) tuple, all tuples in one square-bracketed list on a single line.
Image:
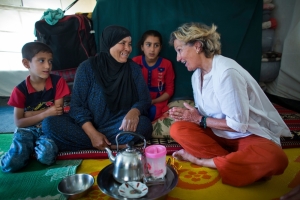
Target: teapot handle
[(132, 133)]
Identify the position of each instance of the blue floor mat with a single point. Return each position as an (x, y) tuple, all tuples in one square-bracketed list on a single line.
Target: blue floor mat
[(7, 124)]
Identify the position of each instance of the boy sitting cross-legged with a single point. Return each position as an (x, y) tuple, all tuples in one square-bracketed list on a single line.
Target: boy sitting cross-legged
[(34, 99)]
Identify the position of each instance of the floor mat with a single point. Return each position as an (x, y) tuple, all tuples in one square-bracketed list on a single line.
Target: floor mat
[(7, 119), (292, 120), (197, 182), (35, 181)]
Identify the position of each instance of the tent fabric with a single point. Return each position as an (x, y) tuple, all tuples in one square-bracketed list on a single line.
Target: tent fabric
[(238, 22), (287, 83)]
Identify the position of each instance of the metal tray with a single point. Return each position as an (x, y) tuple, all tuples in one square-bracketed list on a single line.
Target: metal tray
[(109, 186)]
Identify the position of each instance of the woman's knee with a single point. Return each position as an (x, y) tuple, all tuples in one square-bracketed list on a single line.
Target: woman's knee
[(49, 120), (174, 129), (279, 161), (55, 126), (56, 120), (48, 123), (145, 127)]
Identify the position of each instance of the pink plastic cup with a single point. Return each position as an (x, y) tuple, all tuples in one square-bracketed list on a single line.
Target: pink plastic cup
[(156, 160)]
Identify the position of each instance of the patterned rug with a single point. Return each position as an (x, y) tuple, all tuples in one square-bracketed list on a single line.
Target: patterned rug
[(195, 182), (35, 181), (291, 118)]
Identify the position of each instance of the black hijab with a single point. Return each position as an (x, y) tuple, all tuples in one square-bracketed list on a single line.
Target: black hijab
[(115, 78)]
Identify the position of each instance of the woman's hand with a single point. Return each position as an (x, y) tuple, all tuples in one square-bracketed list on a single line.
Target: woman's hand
[(99, 141), (130, 121), (189, 113)]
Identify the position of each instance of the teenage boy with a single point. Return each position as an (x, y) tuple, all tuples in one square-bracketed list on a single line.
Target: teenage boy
[(39, 96)]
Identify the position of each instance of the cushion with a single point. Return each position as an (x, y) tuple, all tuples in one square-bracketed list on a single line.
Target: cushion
[(67, 74), (162, 125)]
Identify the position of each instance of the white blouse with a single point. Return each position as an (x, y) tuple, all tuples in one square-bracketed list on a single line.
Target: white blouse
[(230, 92)]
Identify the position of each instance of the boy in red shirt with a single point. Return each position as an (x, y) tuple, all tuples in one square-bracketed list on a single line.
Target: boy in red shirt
[(34, 99)]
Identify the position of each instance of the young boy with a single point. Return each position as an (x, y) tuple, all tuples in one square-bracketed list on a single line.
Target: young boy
[(34, 99)]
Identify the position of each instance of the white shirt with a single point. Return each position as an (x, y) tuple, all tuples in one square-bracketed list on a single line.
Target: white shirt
[(230, 92)]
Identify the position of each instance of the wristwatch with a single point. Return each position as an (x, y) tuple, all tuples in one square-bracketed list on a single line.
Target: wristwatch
[(203, 122)]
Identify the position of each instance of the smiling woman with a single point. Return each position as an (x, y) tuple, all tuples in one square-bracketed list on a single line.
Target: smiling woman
[(109, 96), (121, 50)]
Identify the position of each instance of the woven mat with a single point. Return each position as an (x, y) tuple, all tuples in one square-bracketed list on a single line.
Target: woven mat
[(36, 181), (292, 120), (196, 182)]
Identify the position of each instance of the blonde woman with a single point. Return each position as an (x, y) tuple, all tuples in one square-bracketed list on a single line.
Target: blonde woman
[(234, 127)]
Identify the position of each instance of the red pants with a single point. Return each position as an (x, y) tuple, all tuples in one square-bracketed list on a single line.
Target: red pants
[(240, 161)]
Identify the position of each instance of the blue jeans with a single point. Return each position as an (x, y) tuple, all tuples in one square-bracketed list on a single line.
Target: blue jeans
[(25, 142)]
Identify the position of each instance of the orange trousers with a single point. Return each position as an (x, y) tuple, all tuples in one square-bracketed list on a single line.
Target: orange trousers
[(240, 161)]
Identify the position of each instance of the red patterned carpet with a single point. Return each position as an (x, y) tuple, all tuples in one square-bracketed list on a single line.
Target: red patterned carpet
[(292, 120)]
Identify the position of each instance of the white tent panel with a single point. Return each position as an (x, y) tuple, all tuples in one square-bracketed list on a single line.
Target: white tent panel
[(287, 84), (17, 20)]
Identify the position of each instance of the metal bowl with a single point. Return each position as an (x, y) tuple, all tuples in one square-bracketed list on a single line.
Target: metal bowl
[(75, 186)]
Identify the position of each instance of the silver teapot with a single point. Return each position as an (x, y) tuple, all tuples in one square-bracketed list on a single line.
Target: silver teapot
[(128, 163)]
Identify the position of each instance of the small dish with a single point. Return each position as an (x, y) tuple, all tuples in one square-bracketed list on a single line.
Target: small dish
[(126, 191)]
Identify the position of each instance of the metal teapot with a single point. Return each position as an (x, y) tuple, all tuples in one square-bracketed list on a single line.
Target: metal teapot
[(129, 162)]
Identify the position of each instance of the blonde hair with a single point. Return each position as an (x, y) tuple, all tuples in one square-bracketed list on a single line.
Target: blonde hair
[(190, 33)]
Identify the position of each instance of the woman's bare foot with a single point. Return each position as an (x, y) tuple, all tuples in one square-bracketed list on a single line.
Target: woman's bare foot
[(183, 155)]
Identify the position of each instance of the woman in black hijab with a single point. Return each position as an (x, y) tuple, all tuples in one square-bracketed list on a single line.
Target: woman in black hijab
[(109, 96)]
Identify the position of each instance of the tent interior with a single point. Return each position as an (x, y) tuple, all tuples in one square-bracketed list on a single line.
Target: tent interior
[(265, 41), (242, 37)]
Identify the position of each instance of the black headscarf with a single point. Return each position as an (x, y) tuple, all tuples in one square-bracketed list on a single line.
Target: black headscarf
[(115, 78)]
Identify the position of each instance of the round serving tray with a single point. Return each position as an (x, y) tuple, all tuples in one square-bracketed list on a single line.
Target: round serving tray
[(109, 186)]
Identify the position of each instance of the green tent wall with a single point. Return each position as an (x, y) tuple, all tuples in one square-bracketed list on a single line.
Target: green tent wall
[(238, 21)]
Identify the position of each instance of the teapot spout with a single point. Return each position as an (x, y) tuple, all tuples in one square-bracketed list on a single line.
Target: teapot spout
[(111, 157)]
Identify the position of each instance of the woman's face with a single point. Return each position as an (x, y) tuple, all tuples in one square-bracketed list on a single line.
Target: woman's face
[(120, 52), (151, 48), (186, 54)]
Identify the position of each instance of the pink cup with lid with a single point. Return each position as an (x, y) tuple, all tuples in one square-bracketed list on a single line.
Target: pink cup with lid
[(156, 160)]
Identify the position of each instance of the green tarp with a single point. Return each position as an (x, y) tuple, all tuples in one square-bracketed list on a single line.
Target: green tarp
[(238, 21)]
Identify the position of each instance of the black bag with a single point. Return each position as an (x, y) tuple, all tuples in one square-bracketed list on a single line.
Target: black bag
[(71, 40)]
